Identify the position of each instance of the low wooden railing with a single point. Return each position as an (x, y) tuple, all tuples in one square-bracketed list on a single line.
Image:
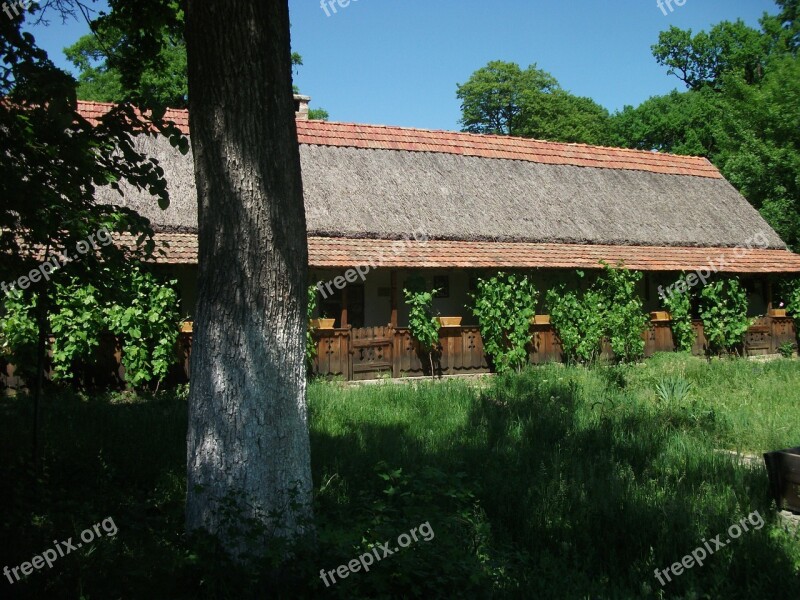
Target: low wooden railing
[(374, 352)]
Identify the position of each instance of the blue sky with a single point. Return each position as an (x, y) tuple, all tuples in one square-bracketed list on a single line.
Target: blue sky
[(397, 62)]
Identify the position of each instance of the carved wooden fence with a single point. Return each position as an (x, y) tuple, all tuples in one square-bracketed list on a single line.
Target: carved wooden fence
[(376, 352)]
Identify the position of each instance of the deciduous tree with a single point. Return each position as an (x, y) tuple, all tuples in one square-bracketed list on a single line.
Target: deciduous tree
[(503, 99), (248, 443)]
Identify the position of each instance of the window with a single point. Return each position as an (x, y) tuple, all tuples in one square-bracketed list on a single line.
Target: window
[(442, 283)]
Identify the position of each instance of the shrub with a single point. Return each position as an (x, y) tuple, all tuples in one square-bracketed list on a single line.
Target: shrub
[(625, 320), (792, 293), (76, 323), (578, 322), (504, 305), (679, 305), (136, 307), (422, 323), (146, 320), (311, 346), (18, 333), (609, 308), (723, 309)]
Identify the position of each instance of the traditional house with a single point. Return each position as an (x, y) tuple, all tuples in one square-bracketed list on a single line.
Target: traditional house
[(391, 203)]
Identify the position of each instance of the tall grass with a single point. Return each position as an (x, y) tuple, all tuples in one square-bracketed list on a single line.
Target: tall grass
[(555, 483)]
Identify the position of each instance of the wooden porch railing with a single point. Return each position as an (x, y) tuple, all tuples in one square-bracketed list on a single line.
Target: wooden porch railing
[(374, 352)]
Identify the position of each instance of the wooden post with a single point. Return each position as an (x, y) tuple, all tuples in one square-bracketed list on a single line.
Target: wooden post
[(768, 282), (393, 319), (343, 319)]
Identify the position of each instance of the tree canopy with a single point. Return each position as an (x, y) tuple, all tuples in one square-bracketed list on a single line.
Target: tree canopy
[(501, 98), (99, 58)]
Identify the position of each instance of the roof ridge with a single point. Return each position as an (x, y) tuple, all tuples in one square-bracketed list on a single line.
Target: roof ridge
[(479, 136), (505, 138), (463, 143)]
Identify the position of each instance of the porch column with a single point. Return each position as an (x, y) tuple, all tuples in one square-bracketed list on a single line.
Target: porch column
[(393, 292), (768, 285), (343, 319)]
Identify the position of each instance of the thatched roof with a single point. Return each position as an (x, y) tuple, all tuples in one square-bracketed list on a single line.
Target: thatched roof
[(384, 182)]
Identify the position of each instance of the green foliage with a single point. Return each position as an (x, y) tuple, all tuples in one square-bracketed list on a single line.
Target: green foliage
[(679, 305), (311, 345), (318, 114), (759, 146), (53, 161), (142, 312), (504, 305), (147, 323), (18, 332), (723, 309), (501, 98), (422, 323), (76, 323), (100, 58), (625, 320), (525, 480), (792, 296), (673, 390), (100, 79), (611, 308), (787, 349), (728, 49), (679, 123), (579, 321), (783, 29)]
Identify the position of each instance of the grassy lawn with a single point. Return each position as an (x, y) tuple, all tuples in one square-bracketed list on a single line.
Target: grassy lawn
[(556, 483)]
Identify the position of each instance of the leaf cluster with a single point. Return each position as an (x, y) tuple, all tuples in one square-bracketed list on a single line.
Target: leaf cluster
[(501, 98), (422, 323), (136, 308), (311, 345), (504, 305), (611, 308), (723, 309), (679, 305)]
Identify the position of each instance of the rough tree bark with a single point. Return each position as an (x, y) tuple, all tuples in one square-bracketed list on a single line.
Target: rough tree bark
[(248, 432)]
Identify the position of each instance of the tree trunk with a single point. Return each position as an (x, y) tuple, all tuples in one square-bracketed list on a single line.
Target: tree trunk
[(248, 444)]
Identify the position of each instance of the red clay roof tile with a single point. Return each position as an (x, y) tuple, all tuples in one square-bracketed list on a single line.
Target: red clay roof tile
[(352, 135), (342, 253)]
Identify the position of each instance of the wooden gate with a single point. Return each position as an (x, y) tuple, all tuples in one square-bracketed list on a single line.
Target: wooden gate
[(371, 352), (333, 353)]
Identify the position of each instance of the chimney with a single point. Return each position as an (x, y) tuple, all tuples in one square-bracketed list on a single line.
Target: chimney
[(301, 106)]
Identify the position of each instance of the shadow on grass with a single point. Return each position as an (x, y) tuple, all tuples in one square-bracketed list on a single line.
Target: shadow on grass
[(546, 485), (586, 497)]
